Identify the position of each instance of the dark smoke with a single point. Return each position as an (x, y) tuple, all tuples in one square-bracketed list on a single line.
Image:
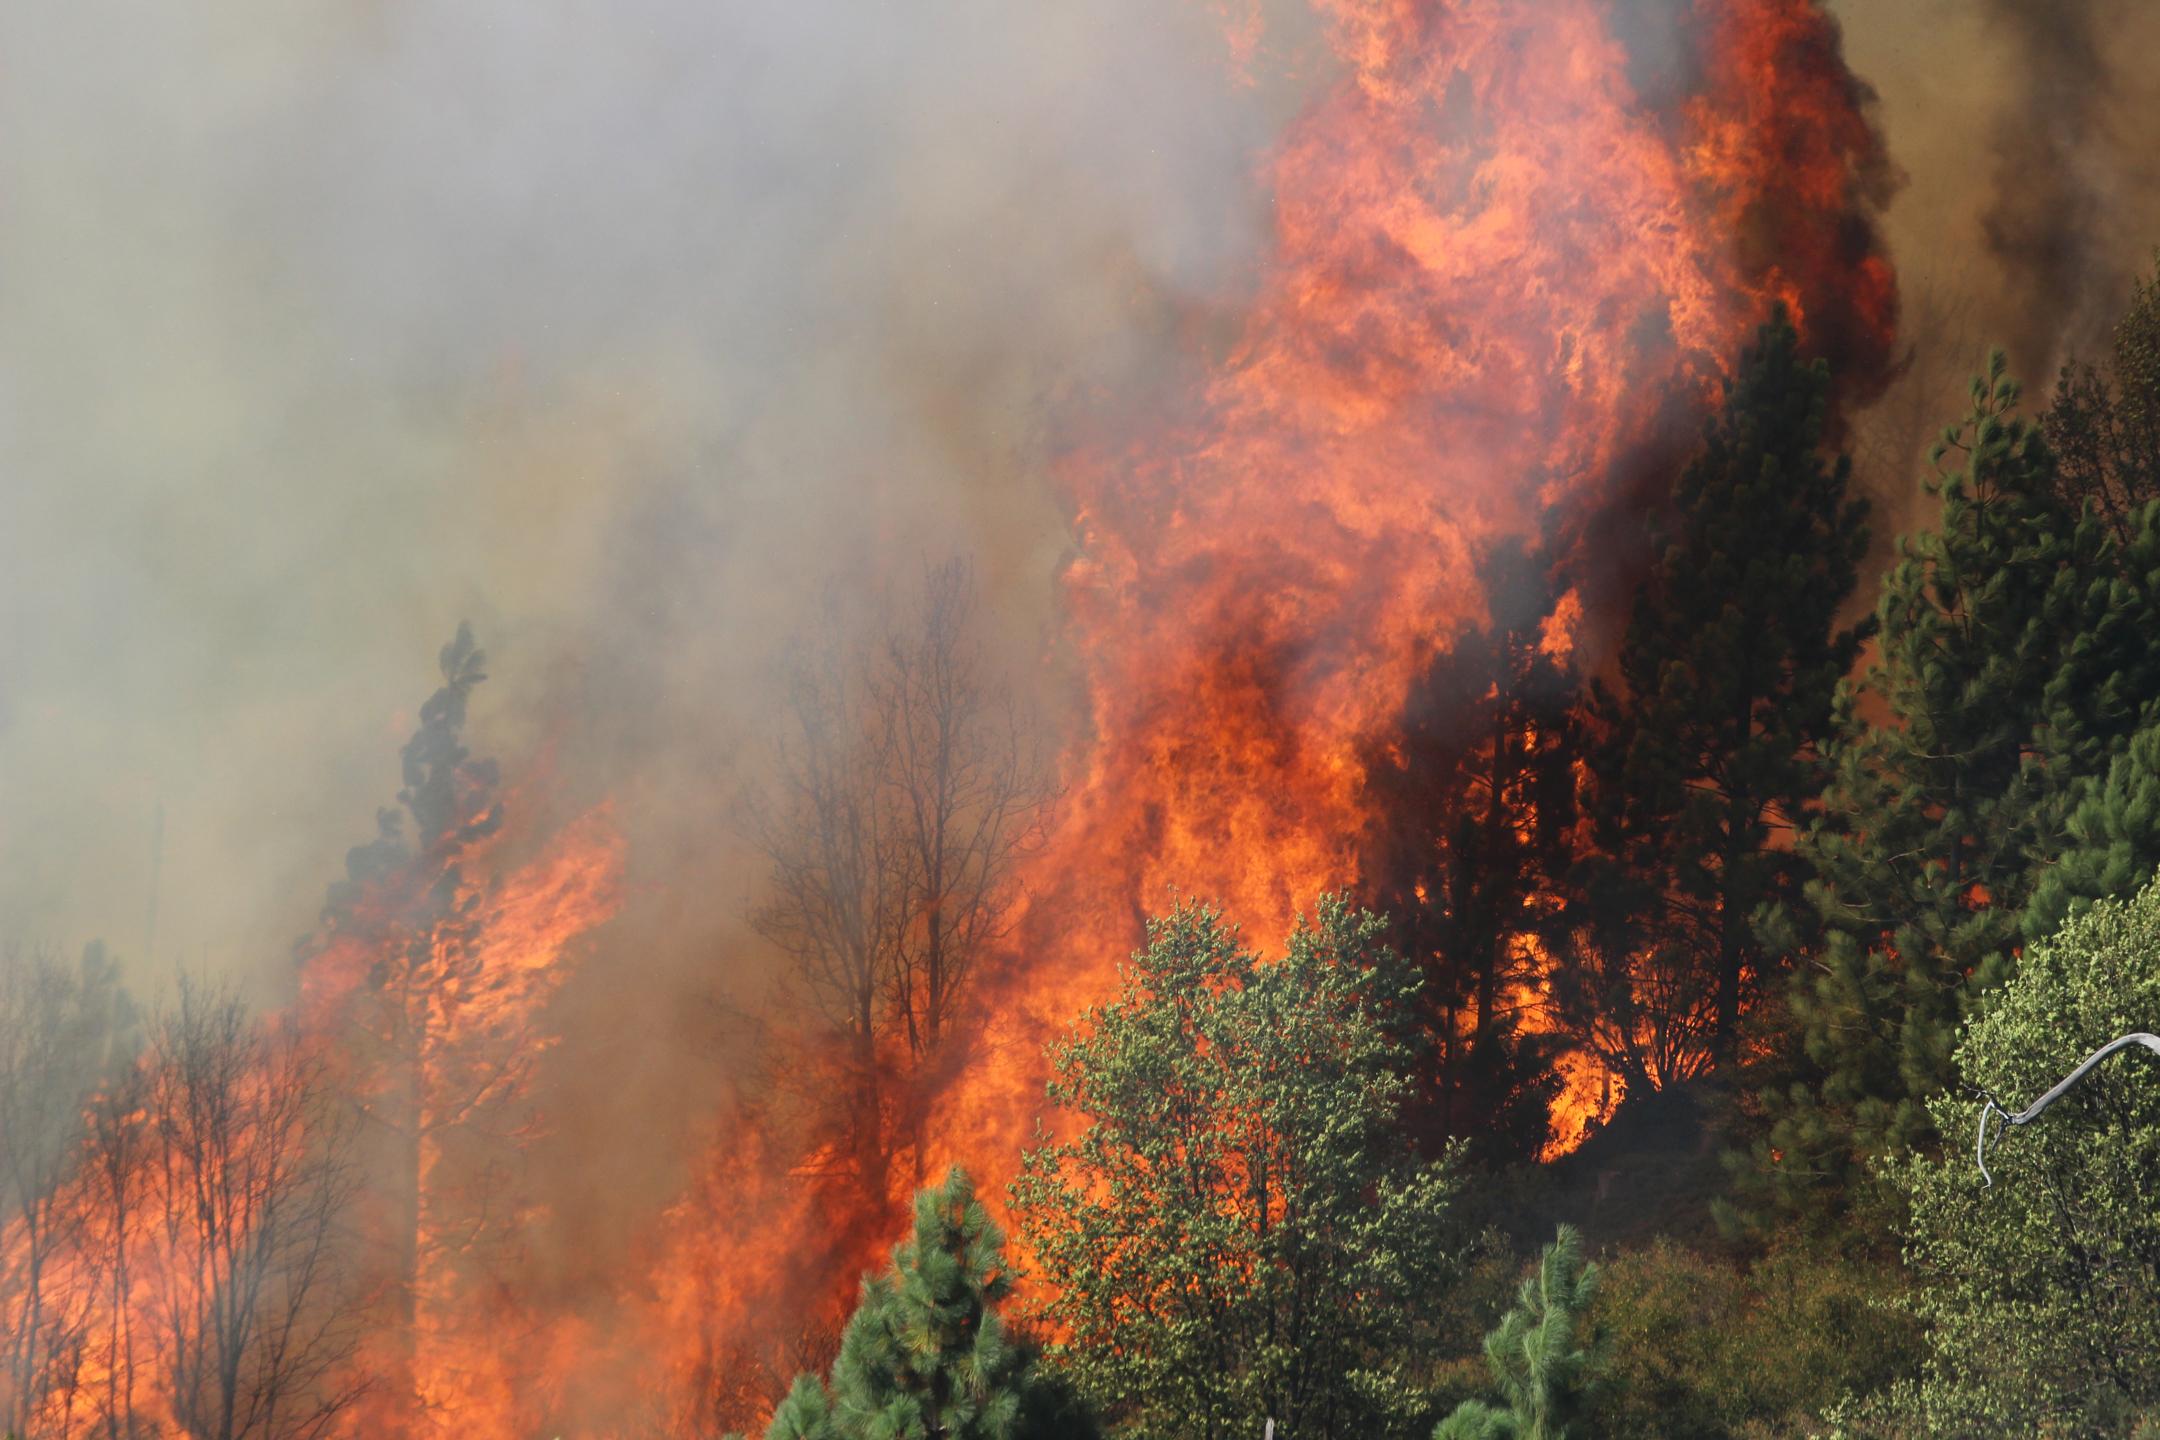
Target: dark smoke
[(2061, 166)]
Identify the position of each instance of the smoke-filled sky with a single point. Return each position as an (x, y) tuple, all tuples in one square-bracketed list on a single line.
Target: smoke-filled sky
[(620, 330), (625, 331)]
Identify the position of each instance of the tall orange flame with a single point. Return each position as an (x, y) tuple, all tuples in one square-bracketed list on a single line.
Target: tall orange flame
[(1496, 256), (1515, 243)]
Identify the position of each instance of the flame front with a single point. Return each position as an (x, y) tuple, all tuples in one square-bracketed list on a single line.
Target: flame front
[(1499, 259), (1514, 243), (427, 1014)]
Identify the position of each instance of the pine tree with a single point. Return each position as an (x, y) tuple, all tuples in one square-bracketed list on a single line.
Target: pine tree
[(2015, 665), (396, 971), (1728, 670), (1478, 783), (806, 1413), (1541, 1365), (2112, 841), (926, 1356), (2104, 424)]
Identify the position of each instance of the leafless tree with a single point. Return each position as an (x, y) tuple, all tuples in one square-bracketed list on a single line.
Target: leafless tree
[(114, 1176), (908, 786), (59, 1028), (839, 887), (250, 1315), (970, 782)]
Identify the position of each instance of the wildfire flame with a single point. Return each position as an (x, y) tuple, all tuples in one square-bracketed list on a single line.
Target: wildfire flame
[(1512, 237), (469, 995), (1513, 240), (1495, 254)]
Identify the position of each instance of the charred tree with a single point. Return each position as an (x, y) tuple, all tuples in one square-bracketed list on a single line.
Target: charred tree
[(1708, 760), (839, 891), (1479, 793), (969, 779), (117, 1180), (399, 976), (908, 785), (253, 1317)]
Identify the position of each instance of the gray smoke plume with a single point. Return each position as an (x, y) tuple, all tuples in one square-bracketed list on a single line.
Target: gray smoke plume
[(2062, 172), (618, 330)]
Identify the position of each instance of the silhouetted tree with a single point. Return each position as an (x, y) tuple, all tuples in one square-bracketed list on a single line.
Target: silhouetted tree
[(64, 1031), (1478, 789), (2104, 424), (1707, 757), (908, 785), (253, 1311)]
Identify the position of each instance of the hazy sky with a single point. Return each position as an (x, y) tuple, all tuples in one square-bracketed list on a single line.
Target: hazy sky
[(622, 331), (619, 330)]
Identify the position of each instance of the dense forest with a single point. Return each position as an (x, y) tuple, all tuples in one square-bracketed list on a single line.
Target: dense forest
[(1246, 720), (1627, 1090)]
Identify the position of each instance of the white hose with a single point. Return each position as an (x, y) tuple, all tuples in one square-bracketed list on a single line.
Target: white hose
[(2032, 1111)]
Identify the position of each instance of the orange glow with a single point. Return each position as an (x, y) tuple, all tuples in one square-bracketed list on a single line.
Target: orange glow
[(466, 985), (1498, 263), (1510, 259), (1494, 258)]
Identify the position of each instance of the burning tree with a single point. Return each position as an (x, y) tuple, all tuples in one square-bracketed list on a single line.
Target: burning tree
[(249, 1314), (908, 789), (1708, 760), (426, 979), (1478, 795), (64, 1032), (182, 1268)]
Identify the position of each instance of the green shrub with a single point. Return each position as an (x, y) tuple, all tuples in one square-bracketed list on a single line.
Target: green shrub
[(1704, 1349), (2042, 1293)]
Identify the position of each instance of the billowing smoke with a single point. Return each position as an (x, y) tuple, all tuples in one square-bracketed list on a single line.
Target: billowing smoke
[(2022, 130), (618, 331), (2067, 177)]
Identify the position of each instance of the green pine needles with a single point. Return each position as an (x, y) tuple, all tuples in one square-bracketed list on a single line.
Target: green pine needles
[(1544, 1369), (925, 1356)]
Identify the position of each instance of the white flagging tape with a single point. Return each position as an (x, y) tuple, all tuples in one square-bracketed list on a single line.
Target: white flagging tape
[(2032, 1111)]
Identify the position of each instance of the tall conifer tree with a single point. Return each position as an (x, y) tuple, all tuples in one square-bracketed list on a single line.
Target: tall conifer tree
[(1479, 787), (2015, 666), (926, 1356), (1728, 670)]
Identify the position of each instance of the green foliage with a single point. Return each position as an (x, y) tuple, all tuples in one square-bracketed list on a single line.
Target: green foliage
[(2038, 1292), (806, 1413), (2015, 665), (2112, 843), (925, 1354), (1237, 1233), (1541, 1365), (1730, 662), (1704, 1349)]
